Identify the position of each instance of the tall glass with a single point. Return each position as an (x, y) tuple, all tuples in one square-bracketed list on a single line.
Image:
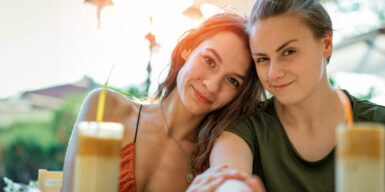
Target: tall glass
[(97, 161), (360, 158)]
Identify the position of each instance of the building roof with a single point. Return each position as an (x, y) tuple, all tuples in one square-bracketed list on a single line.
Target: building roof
[(60, 91), (52, 97)]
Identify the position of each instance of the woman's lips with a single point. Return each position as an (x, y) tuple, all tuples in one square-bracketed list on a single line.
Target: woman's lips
[(200, 97), (281, 86)]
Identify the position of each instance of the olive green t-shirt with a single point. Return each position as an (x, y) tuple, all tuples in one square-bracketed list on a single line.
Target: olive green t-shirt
[(277, 162)]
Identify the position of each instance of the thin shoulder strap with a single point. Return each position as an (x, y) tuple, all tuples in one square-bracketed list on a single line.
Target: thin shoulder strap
[(137, 122)]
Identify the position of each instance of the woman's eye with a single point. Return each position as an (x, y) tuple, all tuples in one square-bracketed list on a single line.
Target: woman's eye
[(209, 61), (262, 59), (233, 82), (288, 52)]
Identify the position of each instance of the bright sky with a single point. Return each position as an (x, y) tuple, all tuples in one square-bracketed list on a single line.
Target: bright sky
[(49, 42), (45, 42)]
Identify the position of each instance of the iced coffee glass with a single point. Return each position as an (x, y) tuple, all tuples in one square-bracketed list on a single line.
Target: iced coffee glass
[(360, 158), (97, 161)]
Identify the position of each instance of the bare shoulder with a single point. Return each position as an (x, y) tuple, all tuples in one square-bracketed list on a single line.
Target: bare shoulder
[(117, 107)]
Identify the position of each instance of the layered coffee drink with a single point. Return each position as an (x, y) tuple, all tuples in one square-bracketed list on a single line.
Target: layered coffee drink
[(97, 160), (360, 158)]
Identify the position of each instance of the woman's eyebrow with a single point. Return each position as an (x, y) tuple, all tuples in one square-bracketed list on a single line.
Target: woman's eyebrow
[(215, 54), (278, 49), (285, 44), (240, 76)]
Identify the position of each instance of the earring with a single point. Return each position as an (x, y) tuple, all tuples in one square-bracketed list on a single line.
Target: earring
[(324, 60)]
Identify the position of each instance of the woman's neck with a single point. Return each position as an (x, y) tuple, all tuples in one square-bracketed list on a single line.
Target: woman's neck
[(320, 107), (179, 120)]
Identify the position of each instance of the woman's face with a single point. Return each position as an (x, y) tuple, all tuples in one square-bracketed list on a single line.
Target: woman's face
[(288, 57), (213, 73)]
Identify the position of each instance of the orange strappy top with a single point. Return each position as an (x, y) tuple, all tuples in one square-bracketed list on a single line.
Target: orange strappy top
[(127, 182)]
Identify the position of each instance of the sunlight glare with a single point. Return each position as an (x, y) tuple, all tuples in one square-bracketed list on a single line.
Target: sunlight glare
[(209, 10)]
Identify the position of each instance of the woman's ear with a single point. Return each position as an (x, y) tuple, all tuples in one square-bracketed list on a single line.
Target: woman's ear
[(328, 44), (185, 54)]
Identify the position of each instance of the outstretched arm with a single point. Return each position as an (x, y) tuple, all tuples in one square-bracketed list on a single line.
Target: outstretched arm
[(231, 163), (231, 150)]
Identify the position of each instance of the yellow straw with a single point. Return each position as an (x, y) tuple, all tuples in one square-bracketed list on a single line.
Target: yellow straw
[(347, 107), (102, 99)]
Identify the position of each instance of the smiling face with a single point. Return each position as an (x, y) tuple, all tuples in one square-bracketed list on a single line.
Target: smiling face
[(213, 73), (288, 58)]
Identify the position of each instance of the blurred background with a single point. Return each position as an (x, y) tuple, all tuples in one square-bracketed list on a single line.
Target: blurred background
[(52, 53)]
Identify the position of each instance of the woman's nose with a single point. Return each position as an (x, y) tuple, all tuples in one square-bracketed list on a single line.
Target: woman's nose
[(275, 71), (212, 84)]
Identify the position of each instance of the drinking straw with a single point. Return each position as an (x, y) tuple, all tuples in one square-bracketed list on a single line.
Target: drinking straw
[(347, 107), (102, 99)]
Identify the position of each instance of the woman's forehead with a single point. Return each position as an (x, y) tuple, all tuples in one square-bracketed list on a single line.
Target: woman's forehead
[(230, 48), (224, 42), (277, 30)]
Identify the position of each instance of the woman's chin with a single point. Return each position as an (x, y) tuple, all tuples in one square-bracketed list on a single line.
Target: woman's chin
[(287, 99)]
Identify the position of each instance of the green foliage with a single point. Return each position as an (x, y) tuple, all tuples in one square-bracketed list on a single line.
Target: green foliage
[(65, 118), (26, 147), (23, 157), (369, 95), (21, 131), (32, 146), (136, 92), (131, 92), (19, 187), (26, 130), (332, 81), (378, 6), (375, 6)]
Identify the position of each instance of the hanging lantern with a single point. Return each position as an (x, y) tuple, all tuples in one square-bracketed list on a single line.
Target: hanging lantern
[(151, 37), (152, 40), (100, 5)]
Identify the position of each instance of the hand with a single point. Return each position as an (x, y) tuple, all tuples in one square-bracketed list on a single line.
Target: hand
[(253, 184), (232, 185), (209, 180), (256, 184)]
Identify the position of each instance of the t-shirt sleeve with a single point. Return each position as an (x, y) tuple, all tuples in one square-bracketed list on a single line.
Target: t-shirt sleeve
[(367, 111), (379, 114), (244, 130)]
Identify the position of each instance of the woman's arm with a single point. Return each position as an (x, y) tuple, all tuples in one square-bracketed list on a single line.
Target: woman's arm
[(230, 158), (231, 150), (112, 112), (231, 167), (69, 163), (69, 160)]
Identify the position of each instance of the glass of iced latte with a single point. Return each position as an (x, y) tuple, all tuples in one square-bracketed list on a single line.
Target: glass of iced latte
[(97, 160), (360, 158)]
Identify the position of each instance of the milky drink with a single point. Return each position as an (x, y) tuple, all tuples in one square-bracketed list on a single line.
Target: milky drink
[(360, 158), (98, 156)]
